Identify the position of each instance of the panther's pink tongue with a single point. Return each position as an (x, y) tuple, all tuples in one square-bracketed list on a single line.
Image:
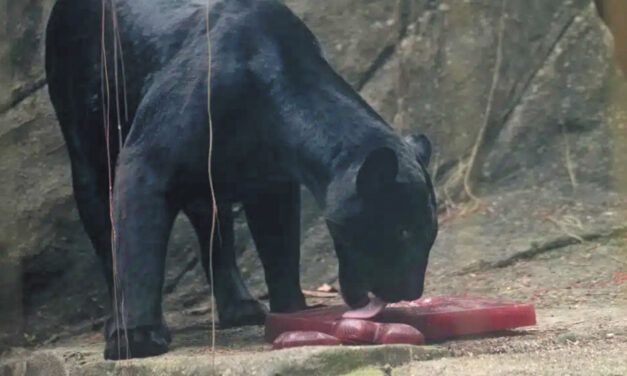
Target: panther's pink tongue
[(372, 309)]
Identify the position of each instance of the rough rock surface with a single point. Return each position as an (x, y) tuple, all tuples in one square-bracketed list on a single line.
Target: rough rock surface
[(530, 83)]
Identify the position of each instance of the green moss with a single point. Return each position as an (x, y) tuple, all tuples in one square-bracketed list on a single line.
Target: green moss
[(344, 359), (368, 371)]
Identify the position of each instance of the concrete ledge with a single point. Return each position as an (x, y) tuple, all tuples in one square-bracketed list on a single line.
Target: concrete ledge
[(293, 362)]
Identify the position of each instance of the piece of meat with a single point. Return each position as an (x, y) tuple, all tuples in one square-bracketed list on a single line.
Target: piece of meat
[(298, 339), (399, 334), (352, 332), (362, 332)]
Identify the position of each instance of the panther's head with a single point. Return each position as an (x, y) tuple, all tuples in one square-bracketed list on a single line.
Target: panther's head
[(382, 218)]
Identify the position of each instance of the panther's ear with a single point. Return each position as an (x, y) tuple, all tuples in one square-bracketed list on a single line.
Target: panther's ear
[(378, 171), (422, 148)]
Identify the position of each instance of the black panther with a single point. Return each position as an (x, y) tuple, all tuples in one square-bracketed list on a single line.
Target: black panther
[(282, 118)]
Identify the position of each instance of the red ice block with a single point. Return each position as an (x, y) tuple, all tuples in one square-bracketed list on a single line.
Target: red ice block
[(435, 317)]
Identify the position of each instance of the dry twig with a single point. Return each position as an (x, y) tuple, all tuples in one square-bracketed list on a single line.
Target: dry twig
[(488, 111)]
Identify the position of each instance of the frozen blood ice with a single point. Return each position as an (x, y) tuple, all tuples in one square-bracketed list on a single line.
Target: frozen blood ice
[(434, 317)]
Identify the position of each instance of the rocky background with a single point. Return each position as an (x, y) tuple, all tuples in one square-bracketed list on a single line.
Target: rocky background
[(522, 99)]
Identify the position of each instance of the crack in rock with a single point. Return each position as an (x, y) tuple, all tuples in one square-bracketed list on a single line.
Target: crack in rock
[(22, 93), (539, 249), (388, 51)]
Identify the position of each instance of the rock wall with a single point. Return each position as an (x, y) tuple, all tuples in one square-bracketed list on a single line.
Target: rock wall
[(526, 89)]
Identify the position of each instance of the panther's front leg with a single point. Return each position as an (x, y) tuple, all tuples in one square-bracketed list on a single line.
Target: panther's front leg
[(274, 221), (236, 307), (143, 217)]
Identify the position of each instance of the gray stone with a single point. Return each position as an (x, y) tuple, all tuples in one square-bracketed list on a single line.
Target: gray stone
[(354, 33), (22, 25), (565, 119), (439, 79)]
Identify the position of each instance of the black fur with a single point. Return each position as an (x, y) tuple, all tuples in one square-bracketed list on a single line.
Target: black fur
[(282, 118)]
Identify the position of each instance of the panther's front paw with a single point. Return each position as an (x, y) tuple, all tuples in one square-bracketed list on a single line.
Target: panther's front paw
[(139, 342), (110, 328), (288, 303), (243, 313)]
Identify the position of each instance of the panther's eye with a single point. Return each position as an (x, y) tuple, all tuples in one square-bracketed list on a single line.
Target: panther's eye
[(405, 234)]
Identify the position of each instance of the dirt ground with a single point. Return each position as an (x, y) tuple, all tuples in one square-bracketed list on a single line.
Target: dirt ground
[(568, 258)]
